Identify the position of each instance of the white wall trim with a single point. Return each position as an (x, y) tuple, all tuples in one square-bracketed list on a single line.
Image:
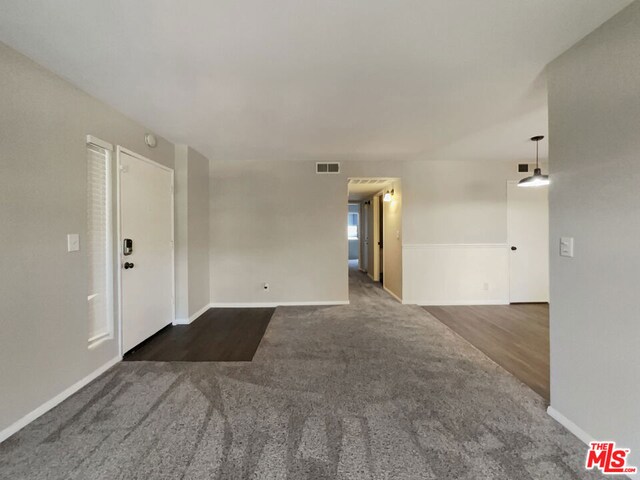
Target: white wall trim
[(569, 425), (99, 143), (276, 304), (445, 303), (48, 405), (187, 321), (421, 246), (392, 294)]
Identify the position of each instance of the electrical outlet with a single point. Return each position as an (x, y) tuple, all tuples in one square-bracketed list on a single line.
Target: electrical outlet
[(265, 287)]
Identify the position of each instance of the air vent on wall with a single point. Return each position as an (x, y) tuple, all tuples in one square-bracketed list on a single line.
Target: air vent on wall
[(327, 168), (523, 167)]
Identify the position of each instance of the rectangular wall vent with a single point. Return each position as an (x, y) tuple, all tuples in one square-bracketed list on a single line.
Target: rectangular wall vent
[(327, 168), (523, 167)]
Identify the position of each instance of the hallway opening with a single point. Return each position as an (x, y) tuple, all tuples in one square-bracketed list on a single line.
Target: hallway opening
[(375, 230)]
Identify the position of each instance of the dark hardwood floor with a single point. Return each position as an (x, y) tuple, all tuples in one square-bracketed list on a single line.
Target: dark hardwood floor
[(515, 336), (218, 335)]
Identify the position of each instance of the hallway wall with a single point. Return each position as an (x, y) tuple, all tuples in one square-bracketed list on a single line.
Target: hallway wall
[(392, 242), (594, 198)]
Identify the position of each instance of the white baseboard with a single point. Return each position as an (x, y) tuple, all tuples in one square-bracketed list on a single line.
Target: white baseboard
[(444, 303), (187, 321), (277, 304), (569, 425), (48, 405), (392, 294)]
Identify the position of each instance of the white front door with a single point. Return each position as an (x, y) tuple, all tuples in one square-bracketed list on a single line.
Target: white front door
[(528, 237), (146, 229)]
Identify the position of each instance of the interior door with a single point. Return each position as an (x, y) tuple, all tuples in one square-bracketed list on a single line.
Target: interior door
[(381, 239), (364, 232), (374, 244), (528, 237), (146, 248)]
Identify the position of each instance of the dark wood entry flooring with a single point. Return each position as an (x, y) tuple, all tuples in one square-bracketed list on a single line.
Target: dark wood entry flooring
[(515, 336), (218, 335)]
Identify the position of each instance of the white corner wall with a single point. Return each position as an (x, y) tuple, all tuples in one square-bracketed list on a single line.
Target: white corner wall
[(192, 234), (198, 238), (594, 119)]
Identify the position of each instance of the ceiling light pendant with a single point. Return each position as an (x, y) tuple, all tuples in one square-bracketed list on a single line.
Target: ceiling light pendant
[(388, 196), (537, 179)]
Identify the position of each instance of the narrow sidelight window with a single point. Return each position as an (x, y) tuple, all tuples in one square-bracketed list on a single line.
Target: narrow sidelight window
[(99, 244)]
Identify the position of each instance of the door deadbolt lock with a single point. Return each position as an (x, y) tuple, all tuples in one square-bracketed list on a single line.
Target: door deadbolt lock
[(128, 265), (127, 246)]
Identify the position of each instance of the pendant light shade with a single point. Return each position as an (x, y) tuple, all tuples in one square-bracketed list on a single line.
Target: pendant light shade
[(537, 179)]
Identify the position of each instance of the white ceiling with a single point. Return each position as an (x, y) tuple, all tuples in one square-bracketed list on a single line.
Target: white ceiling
[(315, 80), (362, 188)]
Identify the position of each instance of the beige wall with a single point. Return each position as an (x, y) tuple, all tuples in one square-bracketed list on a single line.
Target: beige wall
[(192, 233), (198, 224), (594, 119), (392, 243), (181, 224), (43, 307), (456, 202), (281, 223), (271, 219)]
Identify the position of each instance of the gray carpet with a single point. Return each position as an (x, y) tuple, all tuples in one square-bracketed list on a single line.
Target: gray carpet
[(367, 391)]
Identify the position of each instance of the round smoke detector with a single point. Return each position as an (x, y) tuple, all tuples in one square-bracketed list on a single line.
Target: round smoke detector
[(150, 139)]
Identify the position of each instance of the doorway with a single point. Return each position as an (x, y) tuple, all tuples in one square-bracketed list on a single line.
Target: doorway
[(146, 252), (378, 201), (354, 233), (528, 239)]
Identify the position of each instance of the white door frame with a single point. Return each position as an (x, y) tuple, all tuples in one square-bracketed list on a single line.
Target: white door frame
[(119, 151)]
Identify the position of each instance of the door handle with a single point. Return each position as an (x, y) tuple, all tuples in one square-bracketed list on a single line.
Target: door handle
[(514, 248), (128, 265)]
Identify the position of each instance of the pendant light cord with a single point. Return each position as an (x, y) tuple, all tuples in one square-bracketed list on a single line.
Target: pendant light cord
[(537, 143)]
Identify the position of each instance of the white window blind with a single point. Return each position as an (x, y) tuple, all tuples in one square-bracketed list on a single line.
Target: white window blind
[(99, 247)]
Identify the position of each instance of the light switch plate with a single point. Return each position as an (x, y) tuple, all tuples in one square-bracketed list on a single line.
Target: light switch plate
[(566, 246), (73, 242)]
